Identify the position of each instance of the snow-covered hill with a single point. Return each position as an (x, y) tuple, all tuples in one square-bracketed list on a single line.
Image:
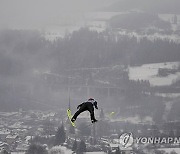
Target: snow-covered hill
[(150, 72)]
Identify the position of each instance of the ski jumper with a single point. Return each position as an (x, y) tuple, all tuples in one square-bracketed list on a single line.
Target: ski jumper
[(86, 106)]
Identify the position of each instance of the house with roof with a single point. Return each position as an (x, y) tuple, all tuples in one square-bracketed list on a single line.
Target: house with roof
[(4, 146), (22, 147), (4, 133), (10, 139)]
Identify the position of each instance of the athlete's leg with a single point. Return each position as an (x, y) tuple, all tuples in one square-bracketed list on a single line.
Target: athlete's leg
[(82, 109), (91, 110)]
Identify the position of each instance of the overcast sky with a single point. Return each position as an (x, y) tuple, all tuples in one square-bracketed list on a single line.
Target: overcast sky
[(38, 12)]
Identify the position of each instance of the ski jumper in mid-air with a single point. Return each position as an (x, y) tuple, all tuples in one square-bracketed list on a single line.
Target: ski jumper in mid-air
[(86, 106)]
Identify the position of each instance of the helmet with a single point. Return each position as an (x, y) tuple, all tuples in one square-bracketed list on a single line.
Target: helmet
[(91, 99)]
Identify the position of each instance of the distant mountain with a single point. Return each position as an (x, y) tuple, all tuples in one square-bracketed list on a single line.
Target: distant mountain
[(137, 21), (158, 6)]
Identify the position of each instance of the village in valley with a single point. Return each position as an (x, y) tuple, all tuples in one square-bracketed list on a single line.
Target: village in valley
[(54, 132)]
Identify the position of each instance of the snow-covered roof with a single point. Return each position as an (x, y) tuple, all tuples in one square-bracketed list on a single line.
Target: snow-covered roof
[(3, 143), (4, 132), (112, 145), (18, 152), (126, 149), (168, 150), (11, 136), (99, 152), (7, 114), (22, 147)]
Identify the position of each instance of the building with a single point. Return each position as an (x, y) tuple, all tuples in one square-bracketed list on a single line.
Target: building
[(23, 147), (114, 147), (128, 150), (4, 133), (4, 146), (11, 139)]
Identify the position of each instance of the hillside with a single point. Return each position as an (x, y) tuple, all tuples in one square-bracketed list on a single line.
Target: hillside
[(36, 73), (138, 21), (153, 6)]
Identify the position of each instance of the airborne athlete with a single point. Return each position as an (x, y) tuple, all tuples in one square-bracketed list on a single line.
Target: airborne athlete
[(86, 106)]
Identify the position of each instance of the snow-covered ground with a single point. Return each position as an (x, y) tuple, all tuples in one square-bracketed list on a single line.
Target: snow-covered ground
[(169, 17), (150, 72), (151, 37), (134, 120), (170, 95), (60, 150), (169, 150), (94, 20), (97, 21)]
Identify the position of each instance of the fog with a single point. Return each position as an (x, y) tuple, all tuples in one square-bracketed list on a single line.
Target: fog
[(39, 14), (56, 54), (24, 14), (26, 52)]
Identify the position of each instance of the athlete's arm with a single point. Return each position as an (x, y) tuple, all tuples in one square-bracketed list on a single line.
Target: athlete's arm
[(95, 105)]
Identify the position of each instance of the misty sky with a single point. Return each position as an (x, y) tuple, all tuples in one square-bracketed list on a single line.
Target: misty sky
[(43, 13), (32, 13)]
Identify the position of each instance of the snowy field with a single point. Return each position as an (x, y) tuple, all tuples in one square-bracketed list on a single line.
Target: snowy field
[(150, 72)]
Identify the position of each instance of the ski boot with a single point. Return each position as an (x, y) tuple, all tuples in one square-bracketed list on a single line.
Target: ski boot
[(73, 120), (93, 121)]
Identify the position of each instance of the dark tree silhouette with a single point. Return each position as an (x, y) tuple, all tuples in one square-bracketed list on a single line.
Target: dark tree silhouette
[(36, 149), (82, 146), (74, 148), (60, 136), (85, 130), (71, 129), (48, 127), (117, 151)]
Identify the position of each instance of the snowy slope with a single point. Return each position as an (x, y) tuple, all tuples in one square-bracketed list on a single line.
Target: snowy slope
[(150, 72)]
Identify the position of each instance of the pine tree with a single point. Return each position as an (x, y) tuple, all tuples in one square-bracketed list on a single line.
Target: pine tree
[(117, 151), (36, 148), (74, 148), (82, 146), (4, 152), (60, 136), (84, 129), (71, 129), (173, 152)]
